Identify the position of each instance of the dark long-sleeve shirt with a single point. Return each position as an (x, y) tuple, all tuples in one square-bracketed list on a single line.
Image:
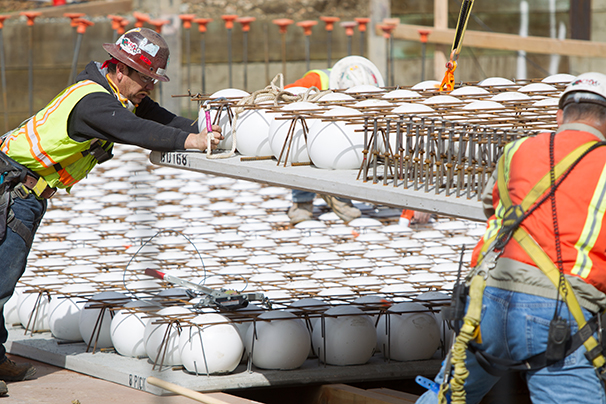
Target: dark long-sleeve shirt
[(102, 116)]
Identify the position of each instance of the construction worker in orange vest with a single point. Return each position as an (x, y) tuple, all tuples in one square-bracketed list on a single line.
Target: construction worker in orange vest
[(539, 271)]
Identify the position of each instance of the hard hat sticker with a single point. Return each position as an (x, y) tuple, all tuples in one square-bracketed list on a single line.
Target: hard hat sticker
[(145, 60), (586, 81), (160, 71), (149, 47), (129, 46)]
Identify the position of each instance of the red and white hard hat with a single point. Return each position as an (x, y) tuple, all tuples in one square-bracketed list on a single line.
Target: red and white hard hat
[(588, 87), (354, 71), (143, 50)]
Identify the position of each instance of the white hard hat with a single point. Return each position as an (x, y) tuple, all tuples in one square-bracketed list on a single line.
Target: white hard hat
[(354, 71), (588, 87)]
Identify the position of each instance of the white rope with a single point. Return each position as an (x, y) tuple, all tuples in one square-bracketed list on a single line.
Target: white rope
[(272, 93)]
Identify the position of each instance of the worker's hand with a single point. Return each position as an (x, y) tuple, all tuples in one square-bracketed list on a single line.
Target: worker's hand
[(200, 140), (421, 217)]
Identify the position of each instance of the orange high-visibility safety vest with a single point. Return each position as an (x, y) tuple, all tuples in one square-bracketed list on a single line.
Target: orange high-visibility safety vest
[(580, 204), (318, 78), (42, 141)]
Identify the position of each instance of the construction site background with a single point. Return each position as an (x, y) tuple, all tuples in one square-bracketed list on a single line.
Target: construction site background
[(54, 41)]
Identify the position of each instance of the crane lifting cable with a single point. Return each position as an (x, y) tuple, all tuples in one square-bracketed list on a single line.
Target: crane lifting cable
[(448, 81)]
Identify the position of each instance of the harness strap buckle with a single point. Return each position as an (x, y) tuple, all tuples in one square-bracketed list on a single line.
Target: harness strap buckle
[(594, 353), (21, 191)]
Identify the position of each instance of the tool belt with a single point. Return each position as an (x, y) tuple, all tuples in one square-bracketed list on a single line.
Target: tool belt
[(17, 181)]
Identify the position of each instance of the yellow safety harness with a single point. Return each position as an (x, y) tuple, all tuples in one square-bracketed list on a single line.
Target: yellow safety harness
[(514, 214)]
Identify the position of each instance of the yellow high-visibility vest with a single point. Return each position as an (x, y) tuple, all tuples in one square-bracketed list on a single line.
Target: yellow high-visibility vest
[(43, 145)]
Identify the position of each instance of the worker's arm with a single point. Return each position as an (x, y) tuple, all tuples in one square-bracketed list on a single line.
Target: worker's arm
[(149, 109), (100, 115), (487, 194)]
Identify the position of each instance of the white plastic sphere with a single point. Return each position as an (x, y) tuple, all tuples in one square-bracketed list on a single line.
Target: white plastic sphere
[(282, 343), (401, 93), (350, 337), (245, 318), (372, 305), (252, 132), (38, 320), (310, 309), (363, 88), (89, 316), (128, 328), (336, 97), (64, 318), (426, 85), (495, 81), (154, 334), (224, 123), (335, 144), (214, 346), (558, 78), (413, 332), (11, 312), (298, 90), (278, 131), (437, 300)]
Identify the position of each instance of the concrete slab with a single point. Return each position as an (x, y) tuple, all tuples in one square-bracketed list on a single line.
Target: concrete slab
[(133, 372), (52, 385), (340, 182)]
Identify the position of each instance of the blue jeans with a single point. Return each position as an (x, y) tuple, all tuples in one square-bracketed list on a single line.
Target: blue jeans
[(13, 254), (515, 326), (299, 196)]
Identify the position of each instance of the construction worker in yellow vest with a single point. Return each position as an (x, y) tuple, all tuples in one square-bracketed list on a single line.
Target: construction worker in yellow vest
[(60, 145)]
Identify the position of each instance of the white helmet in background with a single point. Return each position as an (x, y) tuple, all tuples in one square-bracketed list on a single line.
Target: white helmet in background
[(354, 71), (588, 87)]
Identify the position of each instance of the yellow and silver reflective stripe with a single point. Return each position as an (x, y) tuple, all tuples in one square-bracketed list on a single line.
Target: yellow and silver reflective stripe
[(56, 103), (34, 142), (495, 225), (591, 229)]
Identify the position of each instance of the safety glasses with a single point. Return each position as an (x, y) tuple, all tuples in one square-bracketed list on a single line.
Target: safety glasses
[(146, 79)]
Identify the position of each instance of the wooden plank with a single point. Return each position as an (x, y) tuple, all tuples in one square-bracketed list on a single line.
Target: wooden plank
[(231, 399), (491, 40), (344, 394), (395, 393)]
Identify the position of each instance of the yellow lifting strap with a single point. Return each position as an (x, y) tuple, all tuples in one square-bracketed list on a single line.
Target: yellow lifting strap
[(534, 250), (470, 330), (448, 81)]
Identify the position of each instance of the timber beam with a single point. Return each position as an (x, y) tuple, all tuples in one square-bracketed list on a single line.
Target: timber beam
[(508, 42)]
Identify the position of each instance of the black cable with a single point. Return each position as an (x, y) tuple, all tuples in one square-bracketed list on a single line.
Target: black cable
[(147, 242), (556, 229)]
